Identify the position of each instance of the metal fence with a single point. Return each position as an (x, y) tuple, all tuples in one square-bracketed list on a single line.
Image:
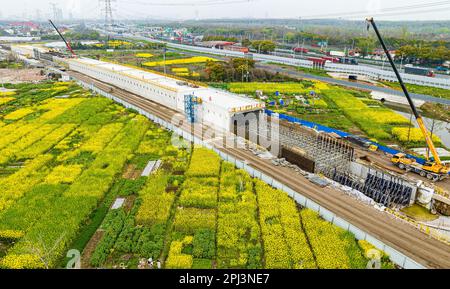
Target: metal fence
[(395, 256)]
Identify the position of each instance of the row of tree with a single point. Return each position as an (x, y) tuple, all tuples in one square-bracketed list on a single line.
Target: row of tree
[(220, 38), (74, 35), (238, 69), (425, 54)]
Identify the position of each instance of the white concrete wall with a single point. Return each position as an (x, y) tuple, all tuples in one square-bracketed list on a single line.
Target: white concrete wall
[(210, 113)]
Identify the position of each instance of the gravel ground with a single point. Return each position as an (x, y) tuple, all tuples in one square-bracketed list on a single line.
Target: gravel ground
[(20, 75)]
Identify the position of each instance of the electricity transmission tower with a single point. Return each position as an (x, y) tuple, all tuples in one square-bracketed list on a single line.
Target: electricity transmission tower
[(57, 12), (107, 9)]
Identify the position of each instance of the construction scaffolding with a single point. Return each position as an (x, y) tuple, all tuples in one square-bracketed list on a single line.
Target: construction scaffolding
[(191, 103), (333, 157), (383, 189), (328, 152)]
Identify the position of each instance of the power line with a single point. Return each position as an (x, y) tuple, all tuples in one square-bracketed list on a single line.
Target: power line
[(404, 13), (188, 4), (107, 9), (403, 9)]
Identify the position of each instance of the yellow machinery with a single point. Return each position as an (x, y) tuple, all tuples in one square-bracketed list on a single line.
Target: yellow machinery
[(373, 148), (432, 170)]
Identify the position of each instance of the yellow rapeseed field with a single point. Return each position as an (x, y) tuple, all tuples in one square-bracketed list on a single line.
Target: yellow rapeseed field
[(196, 59)]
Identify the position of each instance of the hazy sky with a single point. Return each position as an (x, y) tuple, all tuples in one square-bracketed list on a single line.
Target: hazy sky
[(186, 9)]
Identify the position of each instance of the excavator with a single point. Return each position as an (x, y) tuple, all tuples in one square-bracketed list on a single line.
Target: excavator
[(433, 170)]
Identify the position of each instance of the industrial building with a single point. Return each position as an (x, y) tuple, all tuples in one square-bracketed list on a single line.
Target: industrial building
[(28, 50), (199, 104), (224, 45)]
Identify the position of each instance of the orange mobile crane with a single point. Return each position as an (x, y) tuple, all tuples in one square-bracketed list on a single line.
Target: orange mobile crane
[(433, 170)]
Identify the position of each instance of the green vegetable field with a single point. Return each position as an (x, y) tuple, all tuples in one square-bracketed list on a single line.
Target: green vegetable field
[(68, 155)]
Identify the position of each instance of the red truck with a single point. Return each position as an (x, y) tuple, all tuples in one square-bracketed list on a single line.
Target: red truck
[(332, 59), (300, 50), (317, 61)]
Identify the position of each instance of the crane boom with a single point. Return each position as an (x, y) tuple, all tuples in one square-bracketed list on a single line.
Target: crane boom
[(418, 117), (62, 37)]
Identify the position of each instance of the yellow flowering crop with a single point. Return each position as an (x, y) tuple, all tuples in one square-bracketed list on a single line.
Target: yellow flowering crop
[(17, 148), (117, 43), (285, 245), (18, 114), (369, 250), (195, 59), (267, 88), (204, 163), (319, 86), (23, 261), (46, 142), (386, 117), (4, 100), (144, 55), (10, 234), (415, 135), (7, 93), (180, 69), (318, 103), (14, 186), (100, 139), (330, 244), (64, 174), (237, 224), (156, 202), (199, 192), (189, 220), (176, 259)]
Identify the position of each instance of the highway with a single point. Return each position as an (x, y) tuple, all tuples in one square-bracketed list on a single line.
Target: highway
[(393, 232)]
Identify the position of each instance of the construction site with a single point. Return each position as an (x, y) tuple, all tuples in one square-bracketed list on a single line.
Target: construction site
[(326, 159), (357, 185)]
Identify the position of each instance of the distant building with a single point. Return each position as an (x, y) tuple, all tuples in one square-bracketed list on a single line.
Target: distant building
[(380, 53), (216, 44), (225, 45)]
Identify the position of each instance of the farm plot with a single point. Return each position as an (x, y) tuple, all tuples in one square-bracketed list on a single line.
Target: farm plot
[(191, 60), (138, 230), (303, 99), (219, 217), (413, 137), (268, 88), (332, 106), (177, 64), (47, 201), (376, 122), (196, 211)]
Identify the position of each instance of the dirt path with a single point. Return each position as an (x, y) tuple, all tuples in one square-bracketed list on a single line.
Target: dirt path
[(131, 172), (90, 248)]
